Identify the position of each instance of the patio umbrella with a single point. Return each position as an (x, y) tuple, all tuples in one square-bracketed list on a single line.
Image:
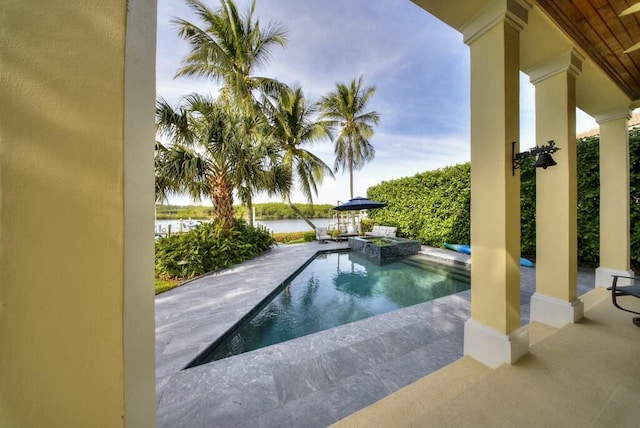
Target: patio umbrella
[(359, 203)]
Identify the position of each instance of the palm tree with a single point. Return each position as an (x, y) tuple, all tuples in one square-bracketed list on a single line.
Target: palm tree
[(228, 48), (344, 108), (264, 156), (211, 153), (293, 126)]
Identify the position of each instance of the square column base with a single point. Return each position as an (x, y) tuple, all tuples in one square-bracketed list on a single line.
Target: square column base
[(493, 348), (555, 312), (603, 277)]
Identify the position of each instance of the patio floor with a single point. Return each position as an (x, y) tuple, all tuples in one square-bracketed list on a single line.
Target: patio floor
[(585, 374), (311, 381)]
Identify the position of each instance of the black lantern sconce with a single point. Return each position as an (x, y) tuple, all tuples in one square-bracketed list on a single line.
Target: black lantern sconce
[(543, 152)]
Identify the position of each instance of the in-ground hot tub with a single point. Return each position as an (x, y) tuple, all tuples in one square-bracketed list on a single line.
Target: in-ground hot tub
[(382, 249)]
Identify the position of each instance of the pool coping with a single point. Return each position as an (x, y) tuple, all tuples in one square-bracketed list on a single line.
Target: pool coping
[(315, 379)]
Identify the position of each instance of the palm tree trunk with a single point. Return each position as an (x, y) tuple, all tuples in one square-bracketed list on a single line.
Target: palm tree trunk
[(250, 211), (351, 179), (350, 161), (223, 202), (296, 210)]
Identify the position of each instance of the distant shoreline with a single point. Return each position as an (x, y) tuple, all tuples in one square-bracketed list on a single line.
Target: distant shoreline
[(177, 218), (262, 212), (276, 226)]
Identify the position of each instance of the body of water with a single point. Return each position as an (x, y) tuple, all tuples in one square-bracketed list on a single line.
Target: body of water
[(277, 226)]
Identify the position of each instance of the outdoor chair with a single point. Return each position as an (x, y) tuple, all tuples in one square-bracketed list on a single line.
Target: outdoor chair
[(632, 290), (322, 235)]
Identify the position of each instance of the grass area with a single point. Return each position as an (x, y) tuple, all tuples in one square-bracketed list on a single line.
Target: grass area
[(163, 285), (294, 237)]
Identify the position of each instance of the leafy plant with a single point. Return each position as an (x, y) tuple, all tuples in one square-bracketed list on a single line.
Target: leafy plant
[(634, 185), (294, 237), (588, 154), (366, 225), (208, 248), (432, 207), (528, 208)]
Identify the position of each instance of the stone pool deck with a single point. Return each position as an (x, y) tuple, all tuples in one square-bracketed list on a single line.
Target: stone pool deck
[(312, 381)]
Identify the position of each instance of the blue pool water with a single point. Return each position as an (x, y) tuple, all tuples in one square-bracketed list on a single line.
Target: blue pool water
[(334, 289)]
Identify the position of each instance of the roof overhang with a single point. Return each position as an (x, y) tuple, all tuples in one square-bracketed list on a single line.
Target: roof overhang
[(598, 88)]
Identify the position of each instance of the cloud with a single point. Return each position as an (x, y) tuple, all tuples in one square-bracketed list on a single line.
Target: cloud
[(419, 65)]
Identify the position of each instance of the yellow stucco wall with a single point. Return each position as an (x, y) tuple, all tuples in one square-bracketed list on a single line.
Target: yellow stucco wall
[(495, 193), (615, 244), (63, 276), (556, 190)]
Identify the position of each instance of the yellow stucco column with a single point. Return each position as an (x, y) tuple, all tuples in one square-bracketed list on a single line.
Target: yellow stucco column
[(615, 245), (493, 334), (76, 213), (555, 301)]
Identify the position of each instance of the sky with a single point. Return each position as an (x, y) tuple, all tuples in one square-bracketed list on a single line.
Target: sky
[(419, 66)]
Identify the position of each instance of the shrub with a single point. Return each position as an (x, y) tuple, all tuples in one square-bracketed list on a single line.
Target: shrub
[(588, 154), (528, 208), (588, 209), (634, 160), (294, 237), (208, 248), (366, 225), (432, 207)]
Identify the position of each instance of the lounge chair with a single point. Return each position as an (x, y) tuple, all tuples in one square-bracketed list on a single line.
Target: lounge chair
[(625, 290), (322, 235)]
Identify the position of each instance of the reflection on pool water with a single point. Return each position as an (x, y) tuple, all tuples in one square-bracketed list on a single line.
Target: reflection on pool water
[(334, 289)]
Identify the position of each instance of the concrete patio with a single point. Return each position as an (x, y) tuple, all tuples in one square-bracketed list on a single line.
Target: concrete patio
[(311, 381), (584, 374)]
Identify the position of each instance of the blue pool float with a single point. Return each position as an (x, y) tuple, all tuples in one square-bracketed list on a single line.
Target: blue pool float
[(466, 249)]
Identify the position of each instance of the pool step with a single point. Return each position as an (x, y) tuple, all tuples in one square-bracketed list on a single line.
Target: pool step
[(453, 272)]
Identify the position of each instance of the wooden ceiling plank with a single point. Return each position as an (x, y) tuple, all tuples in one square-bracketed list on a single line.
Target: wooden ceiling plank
[(618, 39), (597, 4), (595, 26), (602, 38)]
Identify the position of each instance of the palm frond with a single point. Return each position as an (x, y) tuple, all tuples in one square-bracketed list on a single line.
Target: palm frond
[(228, 48)]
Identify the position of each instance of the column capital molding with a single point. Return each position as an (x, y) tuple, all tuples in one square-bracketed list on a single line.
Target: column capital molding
[(616, 113), (570, 61), (513, 12)]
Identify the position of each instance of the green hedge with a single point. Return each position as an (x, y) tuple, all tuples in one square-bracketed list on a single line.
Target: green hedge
[(433, 206), (588, 154), (208, 248), (634, 160)]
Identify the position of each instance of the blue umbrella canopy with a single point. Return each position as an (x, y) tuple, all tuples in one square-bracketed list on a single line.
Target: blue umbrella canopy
[(359, 203)]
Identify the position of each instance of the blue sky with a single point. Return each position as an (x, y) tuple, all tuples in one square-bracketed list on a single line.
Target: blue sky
[(419, 65)]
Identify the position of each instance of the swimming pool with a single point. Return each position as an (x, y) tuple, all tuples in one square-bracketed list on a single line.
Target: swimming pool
[(333, 289)]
